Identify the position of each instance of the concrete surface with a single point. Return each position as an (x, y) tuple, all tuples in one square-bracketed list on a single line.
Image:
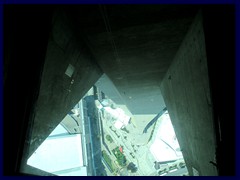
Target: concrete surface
[(137, 51), (58, 92), (186, 92), (135, 45), (135, 54)]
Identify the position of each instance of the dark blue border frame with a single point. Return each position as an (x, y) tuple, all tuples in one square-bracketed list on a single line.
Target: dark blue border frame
[(119, 2), (1, 70), (237, 81), (236, 2)]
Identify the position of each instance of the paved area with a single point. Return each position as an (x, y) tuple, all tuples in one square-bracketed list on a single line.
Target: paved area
[(138, 154), (178, 172), (135, 143)]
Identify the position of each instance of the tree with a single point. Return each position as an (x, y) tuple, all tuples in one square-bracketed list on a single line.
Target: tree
[(132, 167), (124, 129), (109, 138)]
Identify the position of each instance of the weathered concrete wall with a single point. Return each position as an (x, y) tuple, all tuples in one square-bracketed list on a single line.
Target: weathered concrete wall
[(185, 89), (26, 31), (58, 92)]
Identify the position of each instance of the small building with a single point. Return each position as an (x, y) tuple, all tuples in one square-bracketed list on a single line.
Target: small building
[(165, 146), (60, 154), (118, 115)]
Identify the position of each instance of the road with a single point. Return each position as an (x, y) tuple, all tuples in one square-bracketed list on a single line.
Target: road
[(95, 137)]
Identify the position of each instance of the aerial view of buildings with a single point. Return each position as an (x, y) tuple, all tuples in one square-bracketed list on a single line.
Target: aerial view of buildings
[(99, 137)]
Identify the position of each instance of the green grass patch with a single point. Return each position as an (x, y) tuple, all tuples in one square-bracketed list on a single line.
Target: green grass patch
[(121, 159), (108, 160)]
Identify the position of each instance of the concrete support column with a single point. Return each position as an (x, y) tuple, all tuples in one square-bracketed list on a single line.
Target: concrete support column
[(186, 92), (69, 72)]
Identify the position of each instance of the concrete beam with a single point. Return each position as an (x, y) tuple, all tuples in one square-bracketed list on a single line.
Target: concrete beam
[(69, 72), (186, 92)]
